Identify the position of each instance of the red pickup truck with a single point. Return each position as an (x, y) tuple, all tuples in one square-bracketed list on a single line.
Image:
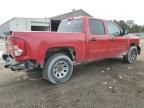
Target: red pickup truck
[(77, 40)]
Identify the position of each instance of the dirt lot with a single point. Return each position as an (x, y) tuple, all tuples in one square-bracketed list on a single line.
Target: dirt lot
[(104, 84)]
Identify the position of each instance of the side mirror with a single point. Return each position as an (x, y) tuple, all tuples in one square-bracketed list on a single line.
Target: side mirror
[(125, 31)]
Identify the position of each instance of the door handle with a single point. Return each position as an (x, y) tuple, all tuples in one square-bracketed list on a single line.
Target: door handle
[(112, 38), (93, 39)]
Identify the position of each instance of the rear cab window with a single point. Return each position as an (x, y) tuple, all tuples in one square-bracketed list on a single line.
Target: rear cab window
[(71, 25)]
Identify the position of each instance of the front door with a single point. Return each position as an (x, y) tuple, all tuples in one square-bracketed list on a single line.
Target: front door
[(117, 42), (97, 40)]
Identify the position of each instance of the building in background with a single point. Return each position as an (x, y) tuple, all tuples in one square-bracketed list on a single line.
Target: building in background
[(25, 24), (38, 24)]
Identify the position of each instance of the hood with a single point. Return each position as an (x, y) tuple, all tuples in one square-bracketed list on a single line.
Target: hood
[(132, 36)]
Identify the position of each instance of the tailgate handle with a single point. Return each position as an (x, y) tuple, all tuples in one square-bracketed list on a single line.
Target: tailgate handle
[(93, 39)]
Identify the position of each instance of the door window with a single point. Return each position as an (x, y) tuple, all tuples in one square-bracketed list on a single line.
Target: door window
[(96, 27), (113, 29)]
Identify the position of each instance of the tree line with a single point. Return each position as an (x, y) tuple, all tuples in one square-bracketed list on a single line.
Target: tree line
[(130, 26)]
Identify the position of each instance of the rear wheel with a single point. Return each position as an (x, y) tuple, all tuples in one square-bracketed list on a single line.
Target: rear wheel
[(131, 55), (58, 68)]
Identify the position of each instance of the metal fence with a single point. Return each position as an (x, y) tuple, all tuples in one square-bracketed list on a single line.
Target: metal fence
[(1, 44)]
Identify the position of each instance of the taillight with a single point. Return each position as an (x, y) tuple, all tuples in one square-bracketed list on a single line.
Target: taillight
[(18, 46)]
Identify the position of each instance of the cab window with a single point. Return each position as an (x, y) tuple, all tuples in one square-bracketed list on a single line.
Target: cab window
[(71, 25), (113, 29), (96, 27)]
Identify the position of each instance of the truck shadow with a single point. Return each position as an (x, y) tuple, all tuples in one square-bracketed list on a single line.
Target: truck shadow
[(81, 70), (36, 73), (89, 68)]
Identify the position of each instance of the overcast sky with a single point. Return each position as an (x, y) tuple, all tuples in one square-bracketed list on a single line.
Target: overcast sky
[(105, 9)]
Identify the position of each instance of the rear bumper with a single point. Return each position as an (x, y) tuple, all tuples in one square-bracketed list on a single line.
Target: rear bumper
[(14, 65)]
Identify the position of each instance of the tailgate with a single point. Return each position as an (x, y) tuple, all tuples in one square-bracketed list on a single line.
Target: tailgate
[(8, 45)]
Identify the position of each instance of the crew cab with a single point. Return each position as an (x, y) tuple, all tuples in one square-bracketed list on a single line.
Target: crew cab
[(78, 40)]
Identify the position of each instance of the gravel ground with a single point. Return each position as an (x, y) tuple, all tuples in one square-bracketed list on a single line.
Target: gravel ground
[(104, 84)]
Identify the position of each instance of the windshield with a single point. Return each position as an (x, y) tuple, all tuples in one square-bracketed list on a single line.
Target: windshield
[(71, 25)]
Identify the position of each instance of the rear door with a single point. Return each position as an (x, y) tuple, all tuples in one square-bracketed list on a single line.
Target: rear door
[(117, 42), (97, 40)]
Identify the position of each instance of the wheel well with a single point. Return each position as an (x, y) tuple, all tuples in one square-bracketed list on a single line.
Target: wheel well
[(69, 51), (138, 47)]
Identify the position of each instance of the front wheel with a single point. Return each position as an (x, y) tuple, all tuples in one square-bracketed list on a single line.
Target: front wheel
[(58, 68), (131, 55)]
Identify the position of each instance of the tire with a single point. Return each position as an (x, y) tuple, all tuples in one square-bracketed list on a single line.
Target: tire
[(131, 55), (58, 69)]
